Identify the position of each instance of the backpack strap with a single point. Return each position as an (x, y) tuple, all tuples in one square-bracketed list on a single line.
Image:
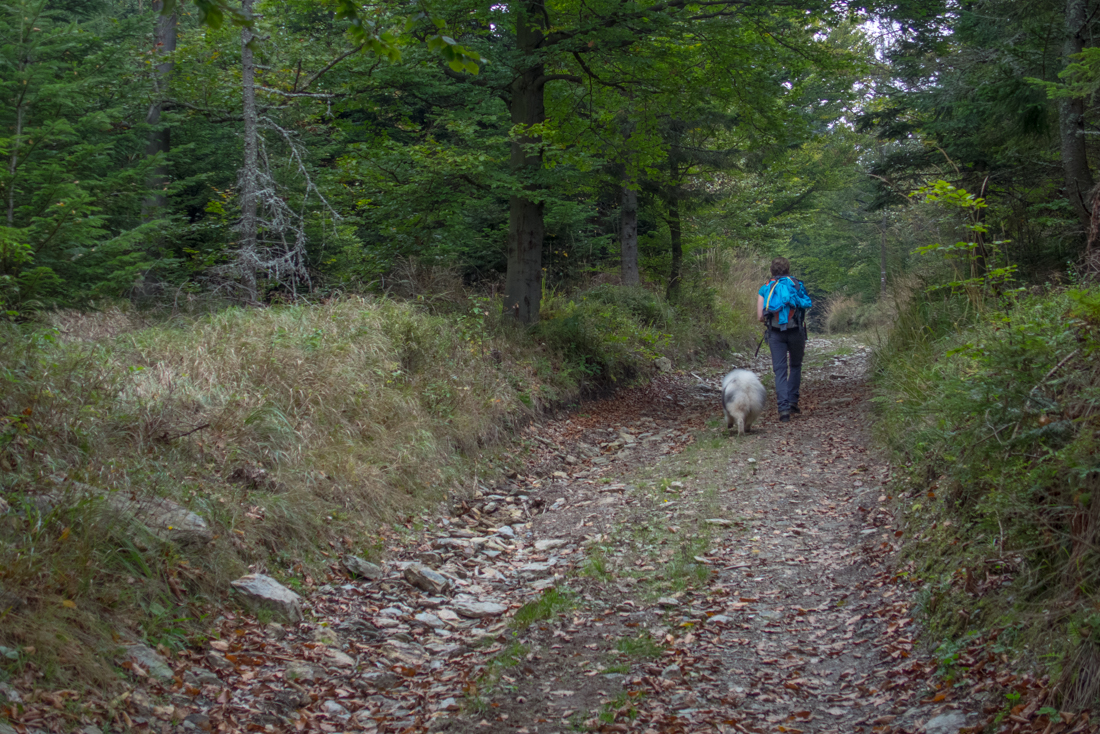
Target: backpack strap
[(767, 303)]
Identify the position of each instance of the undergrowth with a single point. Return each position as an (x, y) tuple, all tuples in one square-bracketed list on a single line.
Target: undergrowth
[(844, 313), (297, 432), (995, 418)]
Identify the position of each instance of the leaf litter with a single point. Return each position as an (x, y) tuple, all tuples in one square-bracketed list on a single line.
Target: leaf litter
[(757, 591)]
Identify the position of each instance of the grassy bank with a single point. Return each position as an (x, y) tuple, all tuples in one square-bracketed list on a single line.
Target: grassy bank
[(296, 432), (994, 420)]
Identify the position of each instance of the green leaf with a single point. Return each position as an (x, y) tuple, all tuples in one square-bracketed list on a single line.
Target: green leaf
[(210, 13)]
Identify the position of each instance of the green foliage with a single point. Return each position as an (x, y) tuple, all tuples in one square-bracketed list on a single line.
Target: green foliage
[(642, 646), (1080, 77), (966, 102), (599, 335), (645, 306), (71, 198), (552, 603), (975, 253), (994, 417), (610, 334)]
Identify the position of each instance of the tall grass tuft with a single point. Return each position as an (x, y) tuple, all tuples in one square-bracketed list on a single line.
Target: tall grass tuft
[(736, 278), (845, 314), (842, 314)]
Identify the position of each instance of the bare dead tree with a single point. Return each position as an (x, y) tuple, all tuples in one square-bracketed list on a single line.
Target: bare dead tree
[(278, 249), (273, 240)]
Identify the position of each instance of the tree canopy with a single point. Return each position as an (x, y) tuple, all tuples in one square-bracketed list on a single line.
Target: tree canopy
[(258, 149)]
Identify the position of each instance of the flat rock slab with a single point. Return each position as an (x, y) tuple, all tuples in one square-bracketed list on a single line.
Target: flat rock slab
[(430, 620), (404, 652), (299, 671), (479, 609), (341, 659), (264, 592), (150, 661), (356, 566), (426, 579), (536, 570), (948, 723), (162, 517), (545, 545)]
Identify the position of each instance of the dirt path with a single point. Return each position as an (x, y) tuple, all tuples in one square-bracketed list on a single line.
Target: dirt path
[(647, 573), (732, 584)]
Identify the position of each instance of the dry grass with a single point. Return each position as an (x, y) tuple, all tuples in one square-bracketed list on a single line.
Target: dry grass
[(112, 321), (414, 279), (358, 410), (842, 314), (736, 278)]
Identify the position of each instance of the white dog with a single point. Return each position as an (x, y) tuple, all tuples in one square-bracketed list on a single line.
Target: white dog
[(742, 399)]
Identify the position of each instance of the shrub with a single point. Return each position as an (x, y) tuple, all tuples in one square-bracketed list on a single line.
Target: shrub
[(843, 313), (599, 337), (645, 306), (995, 416)]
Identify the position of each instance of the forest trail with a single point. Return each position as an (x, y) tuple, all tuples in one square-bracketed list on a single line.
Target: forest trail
[(672, 579)]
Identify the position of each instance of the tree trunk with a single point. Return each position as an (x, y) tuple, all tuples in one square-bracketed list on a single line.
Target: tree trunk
[(1071, 124), (247, 254), (523, 283), (675, 235), (13, 162), (628, 227), (882, 258), (629, 235), (20, 112), (981, 254), (164, 45)]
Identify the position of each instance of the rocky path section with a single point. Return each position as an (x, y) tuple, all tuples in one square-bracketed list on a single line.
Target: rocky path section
[(646, 573)]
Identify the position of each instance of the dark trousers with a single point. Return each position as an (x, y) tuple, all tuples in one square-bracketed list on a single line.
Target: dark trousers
[(787, 348)]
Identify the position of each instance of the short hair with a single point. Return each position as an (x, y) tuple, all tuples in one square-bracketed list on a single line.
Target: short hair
[(781, 266)]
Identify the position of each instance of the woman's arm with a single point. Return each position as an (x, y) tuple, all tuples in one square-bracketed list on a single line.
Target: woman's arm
[(760, 308)]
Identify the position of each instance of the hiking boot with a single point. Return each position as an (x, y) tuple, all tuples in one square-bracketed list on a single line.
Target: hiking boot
[(784, 417), (795, 410)]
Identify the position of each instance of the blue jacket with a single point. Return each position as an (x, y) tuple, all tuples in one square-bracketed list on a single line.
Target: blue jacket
[(782, 297)]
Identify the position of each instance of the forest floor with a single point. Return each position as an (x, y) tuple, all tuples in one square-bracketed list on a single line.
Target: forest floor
[(647, 572)]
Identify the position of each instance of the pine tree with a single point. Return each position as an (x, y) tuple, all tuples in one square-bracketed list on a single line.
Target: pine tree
[(71, 227)]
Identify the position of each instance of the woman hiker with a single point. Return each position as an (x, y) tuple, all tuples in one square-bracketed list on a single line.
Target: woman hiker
[(781, 306)]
